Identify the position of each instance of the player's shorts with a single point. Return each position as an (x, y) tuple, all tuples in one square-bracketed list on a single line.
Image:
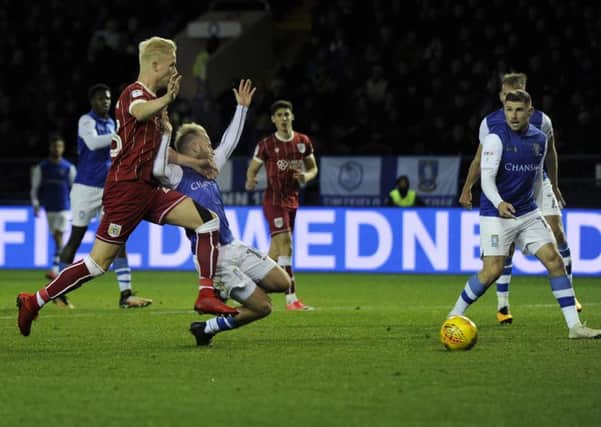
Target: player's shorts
[(530, 232), (127, 203), (86, 204), (547, 201), (239, 268), (280, 219), (57, 220)]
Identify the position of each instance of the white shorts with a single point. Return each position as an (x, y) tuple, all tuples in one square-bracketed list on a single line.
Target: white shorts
[(547, 201), (86, 204), (57, 221), (239, 268), (529, 232)]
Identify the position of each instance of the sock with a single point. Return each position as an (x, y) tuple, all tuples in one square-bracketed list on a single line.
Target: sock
[(70, 278), (286, 263), (123, 272), (566, 255), (55, 263), (471, 292), (207, 251), (503, 285), (564, 294), (221, 323)]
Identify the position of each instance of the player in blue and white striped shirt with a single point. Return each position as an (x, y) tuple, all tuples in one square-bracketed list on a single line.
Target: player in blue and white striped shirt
[(511, 173), (550, 201)]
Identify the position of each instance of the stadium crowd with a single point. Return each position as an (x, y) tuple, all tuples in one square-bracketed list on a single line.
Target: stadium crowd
[(380, 77)]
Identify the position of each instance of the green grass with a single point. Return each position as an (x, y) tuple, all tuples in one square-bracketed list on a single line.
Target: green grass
[(368, 356)]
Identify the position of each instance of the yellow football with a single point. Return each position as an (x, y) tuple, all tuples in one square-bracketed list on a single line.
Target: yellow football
[(458, 333)]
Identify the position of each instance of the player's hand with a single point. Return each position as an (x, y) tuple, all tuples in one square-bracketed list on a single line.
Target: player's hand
[(173, 86), (251, 184), (300, 176), (36, 211), (559, 197), (506, 210), (207, 168), (165, 122), (465, 199), (244, 93)]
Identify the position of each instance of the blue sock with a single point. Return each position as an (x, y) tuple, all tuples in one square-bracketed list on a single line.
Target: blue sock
[(221, 323), (471, 292), (564, 294), (123, 272), (566, 255)]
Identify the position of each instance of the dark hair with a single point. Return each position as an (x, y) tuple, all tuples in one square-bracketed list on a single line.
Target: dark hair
[(98, 87), (402, 178), (280, 103), (55, 137), (519, 95)]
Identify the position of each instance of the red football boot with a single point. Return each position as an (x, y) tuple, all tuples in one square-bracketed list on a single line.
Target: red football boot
[(209, 303), (28, 312)]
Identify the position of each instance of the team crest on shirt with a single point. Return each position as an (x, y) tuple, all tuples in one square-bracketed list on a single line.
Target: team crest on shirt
[(494, 240), (301, 147), (427, 171), (136, 93), (276, 149), (114, 230), (278, 222), (538, 150)]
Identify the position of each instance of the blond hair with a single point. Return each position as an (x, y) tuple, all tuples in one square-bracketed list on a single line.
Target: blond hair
[(151, 48), (185, 130), (514, 80)]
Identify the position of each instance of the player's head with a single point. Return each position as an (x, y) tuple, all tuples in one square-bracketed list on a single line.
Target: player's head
[(100, 99), (56, 146), (282, 115), (157, 57), (192, 140), (512, 81), (518, 109)]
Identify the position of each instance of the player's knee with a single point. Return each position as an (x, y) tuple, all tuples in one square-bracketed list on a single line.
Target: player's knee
[(95, 268), (555, 265), (263, 308)]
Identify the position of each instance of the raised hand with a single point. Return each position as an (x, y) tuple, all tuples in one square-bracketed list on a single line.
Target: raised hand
[(173, 86), (244, 93)]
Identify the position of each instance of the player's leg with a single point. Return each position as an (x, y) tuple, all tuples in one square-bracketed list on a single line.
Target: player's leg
[(68, 252), (188, 214), (496, 239), (562, 246), (69, 279), (476, 285), (536, 238), (122, 270), (503, 312), (57, 224)]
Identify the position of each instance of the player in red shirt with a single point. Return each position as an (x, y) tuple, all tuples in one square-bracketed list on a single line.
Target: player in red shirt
[(289, 163), (131, 193)]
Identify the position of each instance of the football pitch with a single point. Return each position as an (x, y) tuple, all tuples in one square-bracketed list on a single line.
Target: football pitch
[(369, 355)]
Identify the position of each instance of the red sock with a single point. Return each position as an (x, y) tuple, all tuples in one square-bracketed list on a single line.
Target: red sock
[(72, 277), (207, 251)]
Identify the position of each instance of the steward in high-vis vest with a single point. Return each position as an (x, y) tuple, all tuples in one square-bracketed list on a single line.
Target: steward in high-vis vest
[(401, 195)]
